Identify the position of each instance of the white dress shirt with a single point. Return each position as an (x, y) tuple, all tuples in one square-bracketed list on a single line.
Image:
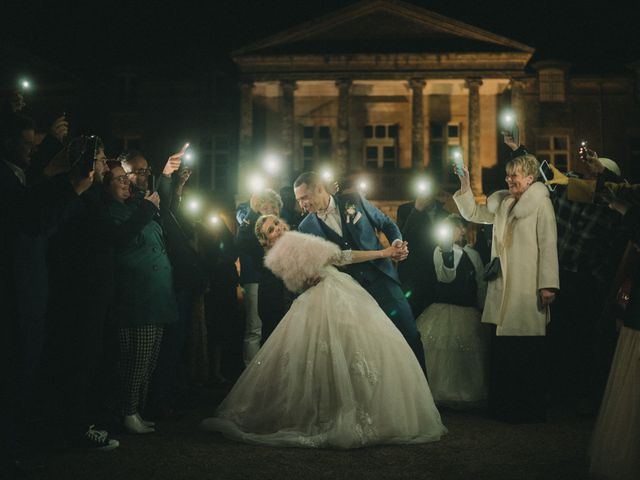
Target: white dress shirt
[(331, 216)]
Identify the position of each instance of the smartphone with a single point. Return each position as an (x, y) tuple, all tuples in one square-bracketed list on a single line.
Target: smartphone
[(187, 158), (151, 183), (510, 128), (67, 138), (458, 164), (584, 149), (547, 174)]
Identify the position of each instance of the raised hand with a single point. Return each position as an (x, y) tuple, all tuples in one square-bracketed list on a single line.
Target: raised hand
[(59, 128), (174, 161), (81, 183), (510, 142), (559, 178), (184, 175), (465, 183), (153, 198), (592, 163)]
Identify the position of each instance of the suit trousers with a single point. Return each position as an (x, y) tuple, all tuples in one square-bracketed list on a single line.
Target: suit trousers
[(392, 301), (253, 324)]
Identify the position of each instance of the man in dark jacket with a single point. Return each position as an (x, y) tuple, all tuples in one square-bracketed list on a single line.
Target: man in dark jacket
[(81, 273), (28, 215), (417, 221)]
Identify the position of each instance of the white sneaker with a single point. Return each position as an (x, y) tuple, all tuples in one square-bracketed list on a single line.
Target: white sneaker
[(98, 440), (146, 423), (133, 424)]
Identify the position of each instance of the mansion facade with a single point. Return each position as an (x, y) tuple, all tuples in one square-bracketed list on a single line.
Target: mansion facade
[(384, 89)]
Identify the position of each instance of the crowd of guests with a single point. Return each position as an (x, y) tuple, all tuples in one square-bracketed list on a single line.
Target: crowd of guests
[(116, 300), (102, 276)]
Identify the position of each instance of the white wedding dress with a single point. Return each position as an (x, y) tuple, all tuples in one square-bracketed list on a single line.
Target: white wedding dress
[(334, 373)]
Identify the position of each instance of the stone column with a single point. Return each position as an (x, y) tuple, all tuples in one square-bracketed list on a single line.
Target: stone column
[(474, 165), (288, 120), (342, 142), (417, 122), (245, 141), (518, 106)]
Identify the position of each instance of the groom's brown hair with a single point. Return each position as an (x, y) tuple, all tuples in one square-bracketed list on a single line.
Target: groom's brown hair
[(310, 179)]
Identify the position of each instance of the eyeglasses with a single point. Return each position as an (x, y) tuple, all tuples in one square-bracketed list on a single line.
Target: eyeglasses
[(141, 171), (122, 180)]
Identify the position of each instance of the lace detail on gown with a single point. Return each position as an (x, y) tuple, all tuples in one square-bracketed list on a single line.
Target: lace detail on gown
[(364, 426), (361, 367)]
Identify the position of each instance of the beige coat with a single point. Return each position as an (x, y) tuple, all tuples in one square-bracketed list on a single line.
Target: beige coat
[(524, 237)]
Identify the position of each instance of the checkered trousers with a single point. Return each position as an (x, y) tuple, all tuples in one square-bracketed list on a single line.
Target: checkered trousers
[(139, 350)]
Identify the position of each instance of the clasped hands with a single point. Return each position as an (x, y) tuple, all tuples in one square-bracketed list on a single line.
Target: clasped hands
[(398, 250)]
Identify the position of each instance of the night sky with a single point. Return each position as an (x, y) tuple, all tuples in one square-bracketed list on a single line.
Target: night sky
[(188, 37)]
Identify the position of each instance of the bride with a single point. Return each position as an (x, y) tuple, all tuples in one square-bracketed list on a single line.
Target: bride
[(335, 372)]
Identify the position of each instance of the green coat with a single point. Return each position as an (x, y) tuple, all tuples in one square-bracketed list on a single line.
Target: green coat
[(144, 282)]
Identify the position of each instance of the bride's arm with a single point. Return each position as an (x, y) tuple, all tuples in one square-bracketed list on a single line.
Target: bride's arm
[(347, 257)]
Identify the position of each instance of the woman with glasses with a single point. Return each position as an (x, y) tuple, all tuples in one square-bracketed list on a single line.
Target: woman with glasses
[(145, 299)]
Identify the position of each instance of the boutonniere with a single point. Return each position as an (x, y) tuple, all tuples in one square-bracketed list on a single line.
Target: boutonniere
[(352, 215)]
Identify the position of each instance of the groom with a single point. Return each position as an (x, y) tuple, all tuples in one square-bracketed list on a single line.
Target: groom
[(349, 221)]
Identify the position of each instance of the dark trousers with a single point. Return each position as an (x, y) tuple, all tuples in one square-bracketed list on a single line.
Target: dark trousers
[(23, 344), (165, 385), (581, 343), (84, 366), (392, 301), (517, 380)]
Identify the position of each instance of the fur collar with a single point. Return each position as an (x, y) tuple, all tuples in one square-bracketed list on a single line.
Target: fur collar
[(528, 203)]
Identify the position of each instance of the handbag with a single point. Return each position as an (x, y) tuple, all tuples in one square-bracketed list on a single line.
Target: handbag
[(492, 270)]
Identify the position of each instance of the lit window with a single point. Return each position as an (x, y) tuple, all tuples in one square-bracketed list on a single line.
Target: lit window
[(381, 146), (554, 149), (316, 145)]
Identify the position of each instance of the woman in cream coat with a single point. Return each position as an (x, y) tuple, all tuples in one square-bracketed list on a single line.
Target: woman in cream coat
[(517, 303)]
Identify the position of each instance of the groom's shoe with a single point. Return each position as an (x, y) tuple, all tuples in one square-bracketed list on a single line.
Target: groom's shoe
[(133, 424)]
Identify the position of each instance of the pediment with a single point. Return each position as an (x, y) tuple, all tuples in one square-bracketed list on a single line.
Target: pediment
[(382, 26)]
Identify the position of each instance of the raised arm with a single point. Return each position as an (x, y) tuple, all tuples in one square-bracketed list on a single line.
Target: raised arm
[(467, 205)]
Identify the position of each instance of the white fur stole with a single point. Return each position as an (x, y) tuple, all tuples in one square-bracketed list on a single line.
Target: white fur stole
[(296, 256)]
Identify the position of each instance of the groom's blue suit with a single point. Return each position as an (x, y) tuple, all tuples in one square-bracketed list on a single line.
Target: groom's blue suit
[(359, 221)]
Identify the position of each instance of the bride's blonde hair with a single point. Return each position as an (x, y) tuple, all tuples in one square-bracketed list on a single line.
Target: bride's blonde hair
[(262, 238)]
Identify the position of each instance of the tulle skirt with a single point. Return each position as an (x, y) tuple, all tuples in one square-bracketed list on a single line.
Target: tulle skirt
[(615, 448), (456, 346), (334, 373)]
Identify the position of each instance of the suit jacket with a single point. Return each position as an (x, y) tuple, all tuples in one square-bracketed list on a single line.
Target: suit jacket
[(362, 226)]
